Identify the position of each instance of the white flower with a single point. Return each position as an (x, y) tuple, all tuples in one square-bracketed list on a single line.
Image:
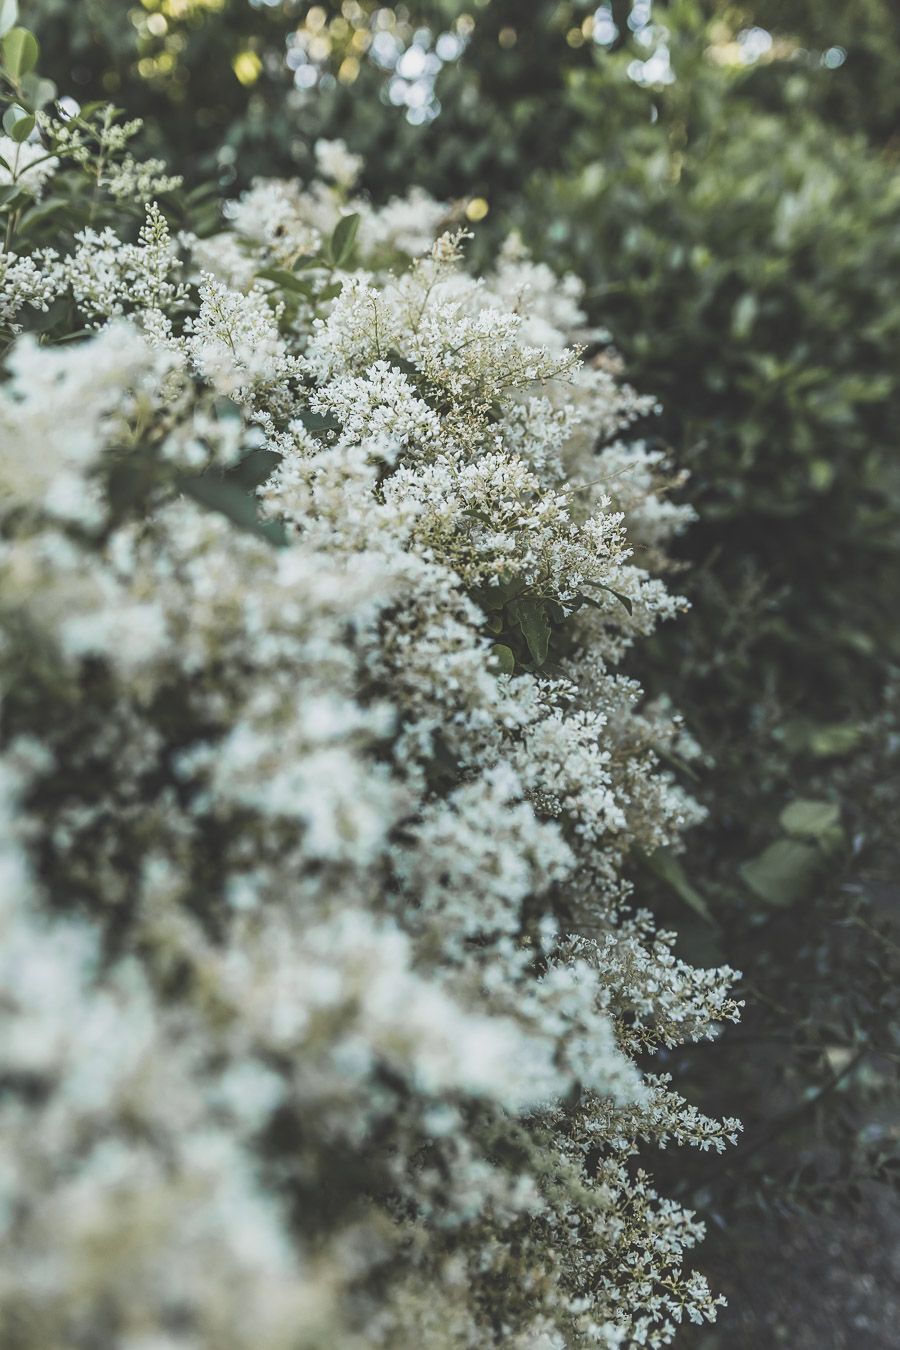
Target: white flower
[(27, 164), (311, 617), (334, 161)]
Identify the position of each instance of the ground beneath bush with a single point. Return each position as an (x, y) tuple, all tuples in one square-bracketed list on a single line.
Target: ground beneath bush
[(809, 1282)]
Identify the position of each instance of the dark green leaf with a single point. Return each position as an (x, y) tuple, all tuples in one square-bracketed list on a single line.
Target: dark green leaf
[(315, 421), (622, 599), (495, 597), (235, 503), (45, 211), (530, 615), (343, 239), (255, 468), (286, 280), (669, 869), (403, 364), (12, 196)]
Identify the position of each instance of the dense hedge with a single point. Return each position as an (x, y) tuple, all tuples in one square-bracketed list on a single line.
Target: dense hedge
[(330, 1015), (737, 227)]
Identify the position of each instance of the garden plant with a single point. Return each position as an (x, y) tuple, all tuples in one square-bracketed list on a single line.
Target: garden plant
[(449, 529)]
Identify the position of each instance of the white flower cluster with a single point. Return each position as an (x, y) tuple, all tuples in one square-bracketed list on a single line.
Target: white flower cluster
[(322, 992)]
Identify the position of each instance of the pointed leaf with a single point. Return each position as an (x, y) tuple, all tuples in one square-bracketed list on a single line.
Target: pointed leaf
[(343, 239), (255, 468), (622, 599), (285, 279), (315, 421), (669, 869), (531, 617), (235, 503)]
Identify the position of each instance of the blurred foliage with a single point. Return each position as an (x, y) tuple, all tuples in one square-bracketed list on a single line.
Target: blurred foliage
[(862, 41), (738, 246), (725, 178), (244, 86), (206, 76), (740, 256)]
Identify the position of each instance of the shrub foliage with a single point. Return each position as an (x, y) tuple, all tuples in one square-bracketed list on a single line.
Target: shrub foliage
[(330, 1018)]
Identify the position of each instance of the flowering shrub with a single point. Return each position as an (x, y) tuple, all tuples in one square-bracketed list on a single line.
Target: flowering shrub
[(328, 1016)]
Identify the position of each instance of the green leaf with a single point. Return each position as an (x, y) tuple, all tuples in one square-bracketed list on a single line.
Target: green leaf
[(12, 196), (12, 115), (285, 279), (837, 739), (669, 869), (403, 364), (495, 597), (784, 872), (9, 15), (37, 91), (504, 658), (20, 52), (255, 468), (206, 221), (809, 819), (315, 421), (39, 215), (22, 129), (530, 615), (343, 239), (200, 192), (677, 761), (622, 599), (235, 503)]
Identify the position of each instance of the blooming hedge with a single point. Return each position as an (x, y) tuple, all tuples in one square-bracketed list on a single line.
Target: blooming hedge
[(329, 1017)]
